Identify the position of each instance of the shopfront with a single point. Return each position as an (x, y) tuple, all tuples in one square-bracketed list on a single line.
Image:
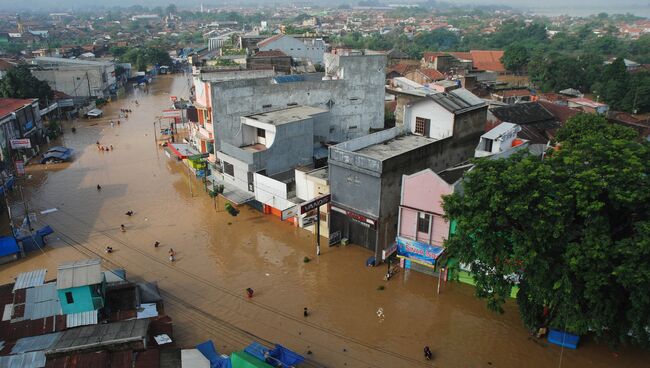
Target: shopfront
[(417, 255)]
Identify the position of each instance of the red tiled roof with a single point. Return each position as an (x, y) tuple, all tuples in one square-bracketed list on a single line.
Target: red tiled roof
[(461, 55), (488, 60), (402, 68), (6, 64), (269, 40), (432, 74), (514, 92), (9, 105), (431, 56), (560, 112), (271, 53)]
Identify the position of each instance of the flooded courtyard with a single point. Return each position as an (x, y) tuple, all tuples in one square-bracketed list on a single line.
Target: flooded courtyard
[(352, 323)]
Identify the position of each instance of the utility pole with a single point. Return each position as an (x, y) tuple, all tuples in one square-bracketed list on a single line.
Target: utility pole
[(318, 231)]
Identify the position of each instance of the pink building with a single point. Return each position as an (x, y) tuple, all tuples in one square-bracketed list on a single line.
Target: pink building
[(422, 228)]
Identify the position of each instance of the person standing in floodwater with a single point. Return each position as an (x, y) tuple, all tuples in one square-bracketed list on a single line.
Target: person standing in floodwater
[(123, 228), (249, 292)]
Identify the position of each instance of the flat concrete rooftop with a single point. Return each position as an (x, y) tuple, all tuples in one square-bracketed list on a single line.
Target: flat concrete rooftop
[(395, 146), (286, 115)]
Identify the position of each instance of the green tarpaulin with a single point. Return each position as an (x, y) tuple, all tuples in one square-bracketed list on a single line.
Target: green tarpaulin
[(241, 359)]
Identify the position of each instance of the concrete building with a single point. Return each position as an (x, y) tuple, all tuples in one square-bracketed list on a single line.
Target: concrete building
[(77, 78), (312, 183), (19, 119), (352, 89), (81, 286), (422, 228), (201, 134), (276, 60), (500, 142), (273, 144), (439, 131), (311, 49)]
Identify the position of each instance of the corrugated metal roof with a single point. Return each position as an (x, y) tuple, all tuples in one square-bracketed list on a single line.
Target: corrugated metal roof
[(499, 130), (35, 343), (101, 335), (30, 279), (467, 96), (115, 275), (34, 359), (81, 319), (42, 301), (79, 273)]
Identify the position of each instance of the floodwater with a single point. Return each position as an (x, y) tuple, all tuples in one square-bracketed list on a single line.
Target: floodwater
[(352, 323)]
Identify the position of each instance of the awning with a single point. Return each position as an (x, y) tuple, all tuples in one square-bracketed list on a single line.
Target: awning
[(234, 194), (181, 150)]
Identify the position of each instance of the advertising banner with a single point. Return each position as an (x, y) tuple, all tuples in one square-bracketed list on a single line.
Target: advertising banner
[(416, 250), (20, 143)]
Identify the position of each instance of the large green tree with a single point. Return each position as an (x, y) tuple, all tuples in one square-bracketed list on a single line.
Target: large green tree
[(573, 228), (515, 57), (20, 83)]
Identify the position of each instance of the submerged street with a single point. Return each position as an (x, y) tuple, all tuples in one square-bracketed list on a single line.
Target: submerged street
[(351, 322)]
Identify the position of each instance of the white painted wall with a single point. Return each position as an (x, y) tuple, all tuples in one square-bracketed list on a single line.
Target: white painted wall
[(442, 121), (311, 49), (271, 192)]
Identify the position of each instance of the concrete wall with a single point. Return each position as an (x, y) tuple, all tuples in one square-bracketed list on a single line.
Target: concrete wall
[(271, 192), (75, 81), (309, 49), (422, 192), (356, 102)]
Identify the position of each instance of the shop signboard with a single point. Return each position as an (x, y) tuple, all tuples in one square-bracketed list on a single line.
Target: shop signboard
[(422, 252), (308, 220), (289, 212), (20, 167), (21, 143), (171, 113), (315, 203), (388, 252)]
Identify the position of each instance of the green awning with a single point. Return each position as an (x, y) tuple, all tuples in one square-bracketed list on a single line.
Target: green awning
[(241, 359)]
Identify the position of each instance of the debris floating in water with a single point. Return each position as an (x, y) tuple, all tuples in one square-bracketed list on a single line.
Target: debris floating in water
[(49, 210)]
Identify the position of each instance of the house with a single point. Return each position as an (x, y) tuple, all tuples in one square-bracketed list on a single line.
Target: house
[(5, 66), (425, 76), (201, 129), (396, 56), (19, 119), (537, 124), (310, 184), (512, 95), (311, 49), (274, 59), (365, 173), (273, 144), (588, 106), (422, 228), (81, 286), (486, 60), (500, 142), (400, 70), (75, 77)]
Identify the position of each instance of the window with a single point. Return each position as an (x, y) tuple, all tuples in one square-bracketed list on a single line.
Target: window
[(68, 297), (422, 126), (423, 222), (488, 145), (228, 169), (261, 133)]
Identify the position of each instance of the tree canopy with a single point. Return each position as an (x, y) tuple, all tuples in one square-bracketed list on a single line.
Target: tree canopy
[(20, 83), (140, 58), (573, 228)]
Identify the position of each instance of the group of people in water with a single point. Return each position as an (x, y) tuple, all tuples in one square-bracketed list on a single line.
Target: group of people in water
[(103, 148), (130, 213)]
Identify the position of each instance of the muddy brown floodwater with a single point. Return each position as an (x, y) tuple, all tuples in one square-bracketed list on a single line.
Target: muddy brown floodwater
[(352, 323)]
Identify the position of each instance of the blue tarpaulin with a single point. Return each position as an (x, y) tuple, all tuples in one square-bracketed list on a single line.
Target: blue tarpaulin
[(287, 357), (9, 184), (8, 246), (277, 357), (208, 351), (257, 350), (562, 338)]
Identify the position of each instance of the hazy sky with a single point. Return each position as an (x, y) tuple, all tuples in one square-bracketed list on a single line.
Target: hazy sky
[(577, 7)]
